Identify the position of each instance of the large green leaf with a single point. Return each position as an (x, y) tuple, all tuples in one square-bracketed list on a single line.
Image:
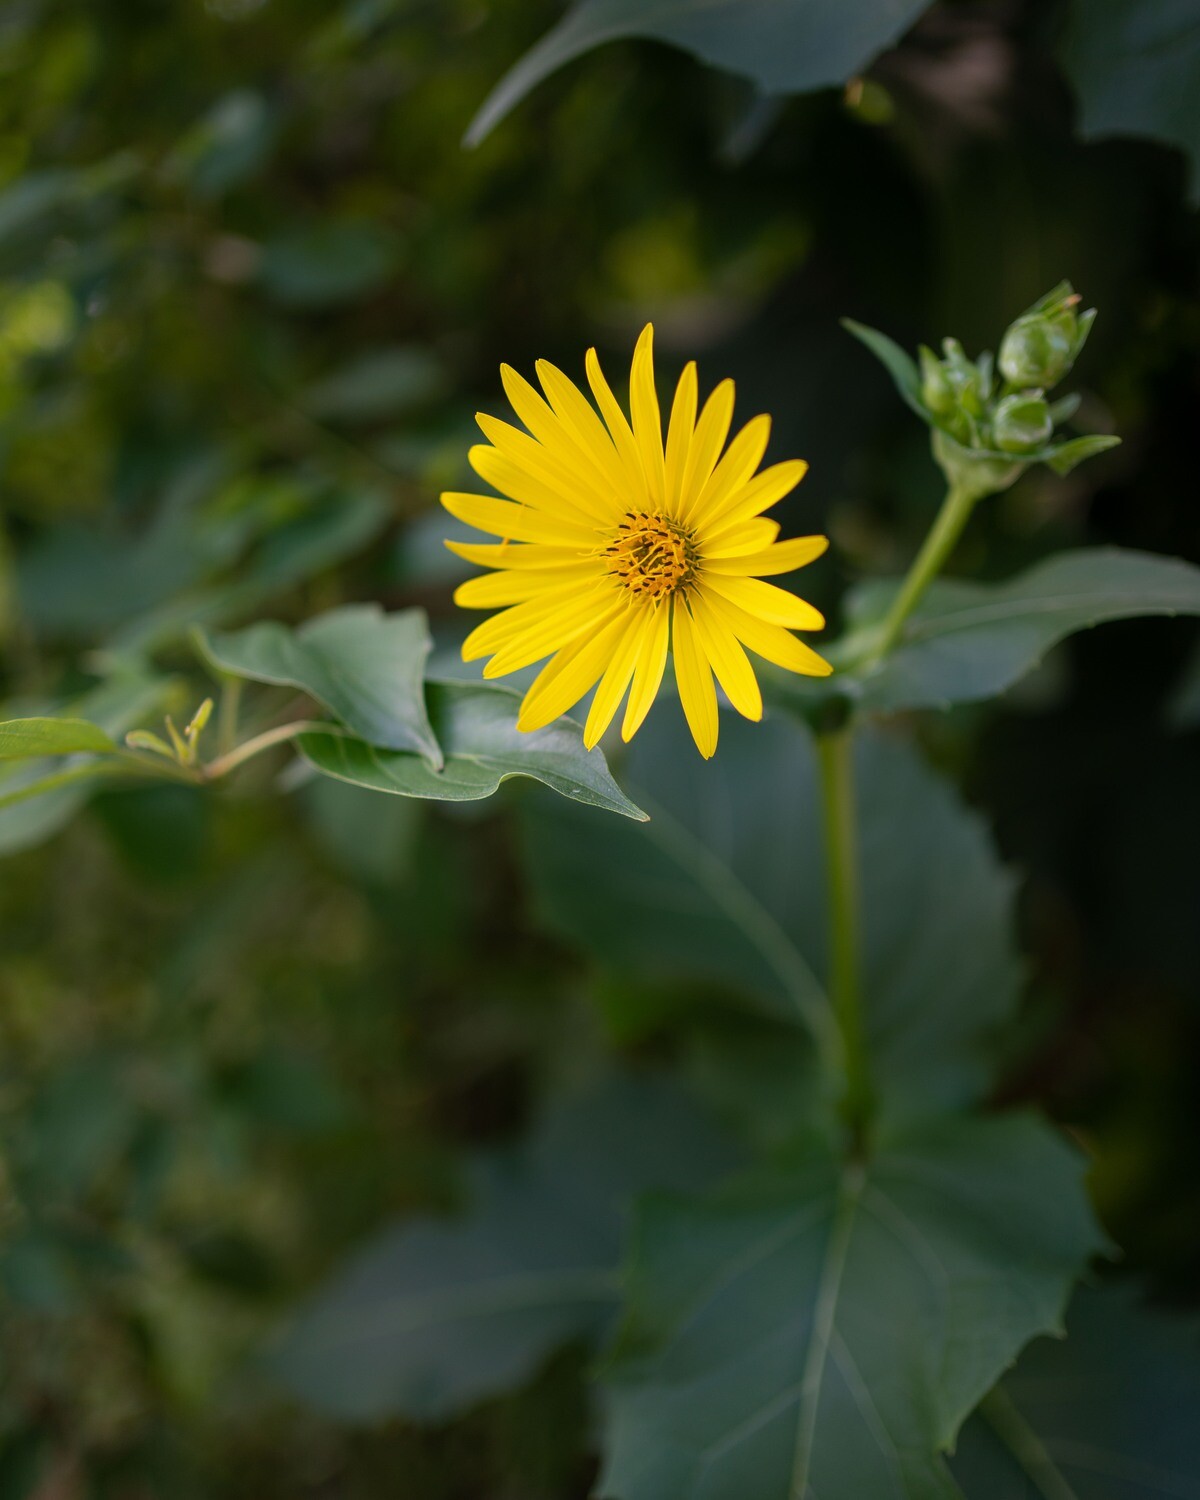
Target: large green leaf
[(784, 46), (1135, 65), (969, 641), (1109, 1413), (824, 1332), (476, 726), (438, 1313), (38, 796), (725, 885), (21, 738), (365, 666)]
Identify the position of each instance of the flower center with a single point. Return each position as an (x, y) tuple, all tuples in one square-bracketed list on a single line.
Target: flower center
[(651, 555)]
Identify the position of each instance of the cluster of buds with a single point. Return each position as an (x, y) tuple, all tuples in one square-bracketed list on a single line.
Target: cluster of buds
[(991, 417)]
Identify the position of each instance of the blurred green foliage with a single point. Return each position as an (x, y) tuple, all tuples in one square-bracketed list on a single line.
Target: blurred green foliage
[(251, 289)]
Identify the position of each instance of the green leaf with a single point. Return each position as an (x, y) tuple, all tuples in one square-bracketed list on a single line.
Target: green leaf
[(21, 738), (37, 797), (381, 383), (365, 666), (899, 365), (969, 641), (784, 46), (476, 726), (1111, 1411), (825, 1331), (1135, 65), (330, 263), (1071, 454), (436, 1314), (726, 886)]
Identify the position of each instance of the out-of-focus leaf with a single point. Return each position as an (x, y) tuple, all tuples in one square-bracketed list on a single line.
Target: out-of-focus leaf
[(726, 885), (826, 1331), (1071, 454), (784, 46), (968, 641), (334, 262), (21, 738), (383, 383), (227, 146), (1112, 1409), (896, 361), (365, 666), (113, 707), (1185, 702), (372, 838), (476, 726), (439, 1313), (1135, 65)]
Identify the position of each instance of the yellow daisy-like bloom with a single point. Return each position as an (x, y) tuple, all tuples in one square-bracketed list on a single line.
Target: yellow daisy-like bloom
[(617, 549)]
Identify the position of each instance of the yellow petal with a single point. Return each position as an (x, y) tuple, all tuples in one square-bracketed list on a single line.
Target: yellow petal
[(557, 629), (729, 661), (573, 672), (569, 477), (739, 462), (711, 431), (775, 605), (518, 523), (503, 629), (648, 673), (619, 428), (694, 677), (520, 483), (679, 437), (575, 412), (537, 416), (771, 642), (513, 586), (785, 557), (740, 541), (514, 554), (758, 494), (617, 674), (647, 419)]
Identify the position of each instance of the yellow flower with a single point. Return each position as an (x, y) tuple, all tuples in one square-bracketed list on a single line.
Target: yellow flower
[(616, 550)]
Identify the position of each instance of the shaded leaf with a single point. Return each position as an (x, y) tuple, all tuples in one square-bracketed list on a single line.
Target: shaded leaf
[(1071, 454), (784, 46), (895, 360), (365, 666), (333, 262), (825, 1331), (726, 885), (438, 1313), (476, 726), (20, 738), (382, 383)]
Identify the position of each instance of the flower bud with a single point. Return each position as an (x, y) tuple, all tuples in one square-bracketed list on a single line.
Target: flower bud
[(1022, 423), (1043, 343), (936, 390)]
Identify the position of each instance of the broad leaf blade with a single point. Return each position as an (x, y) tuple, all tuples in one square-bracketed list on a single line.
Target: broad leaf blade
[(439, 1313), (365, 666), (783, 46), (969, 641), (826, 1332), (476, 726), (21, 738)]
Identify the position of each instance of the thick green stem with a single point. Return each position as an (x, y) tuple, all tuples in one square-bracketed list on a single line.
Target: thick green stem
[(836, 756), (1023, 1443), (945, 532)]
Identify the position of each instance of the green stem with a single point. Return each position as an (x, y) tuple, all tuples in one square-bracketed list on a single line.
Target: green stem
[(835, 752), (945, 532), (1023, 1443), (227, 714), (250, 748)]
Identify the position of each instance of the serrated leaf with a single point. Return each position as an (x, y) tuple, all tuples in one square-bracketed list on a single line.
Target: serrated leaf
[(1112, 1409), (726, 886), (825, 1332), (440, 1312), (21, 738), (897, 362), (969, 641), (365, 666), (784, 46), (1135, 65), (476, 726)]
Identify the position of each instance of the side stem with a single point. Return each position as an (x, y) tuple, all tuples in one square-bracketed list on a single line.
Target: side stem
[(1024, 1444), (835, 752), (938, 545)]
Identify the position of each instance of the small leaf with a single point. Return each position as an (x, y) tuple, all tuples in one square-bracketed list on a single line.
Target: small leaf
[(1112, 1408), (1071, 454), (969, 641), (783, 46), (826, 1331), (438, 1313), (20, 738), (366, 667), (476, 725), (899, 365)]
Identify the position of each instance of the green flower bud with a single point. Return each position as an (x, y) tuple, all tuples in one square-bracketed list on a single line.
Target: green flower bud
[(936, 389), (966, 379), (1022, 423), (1043, 343)]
